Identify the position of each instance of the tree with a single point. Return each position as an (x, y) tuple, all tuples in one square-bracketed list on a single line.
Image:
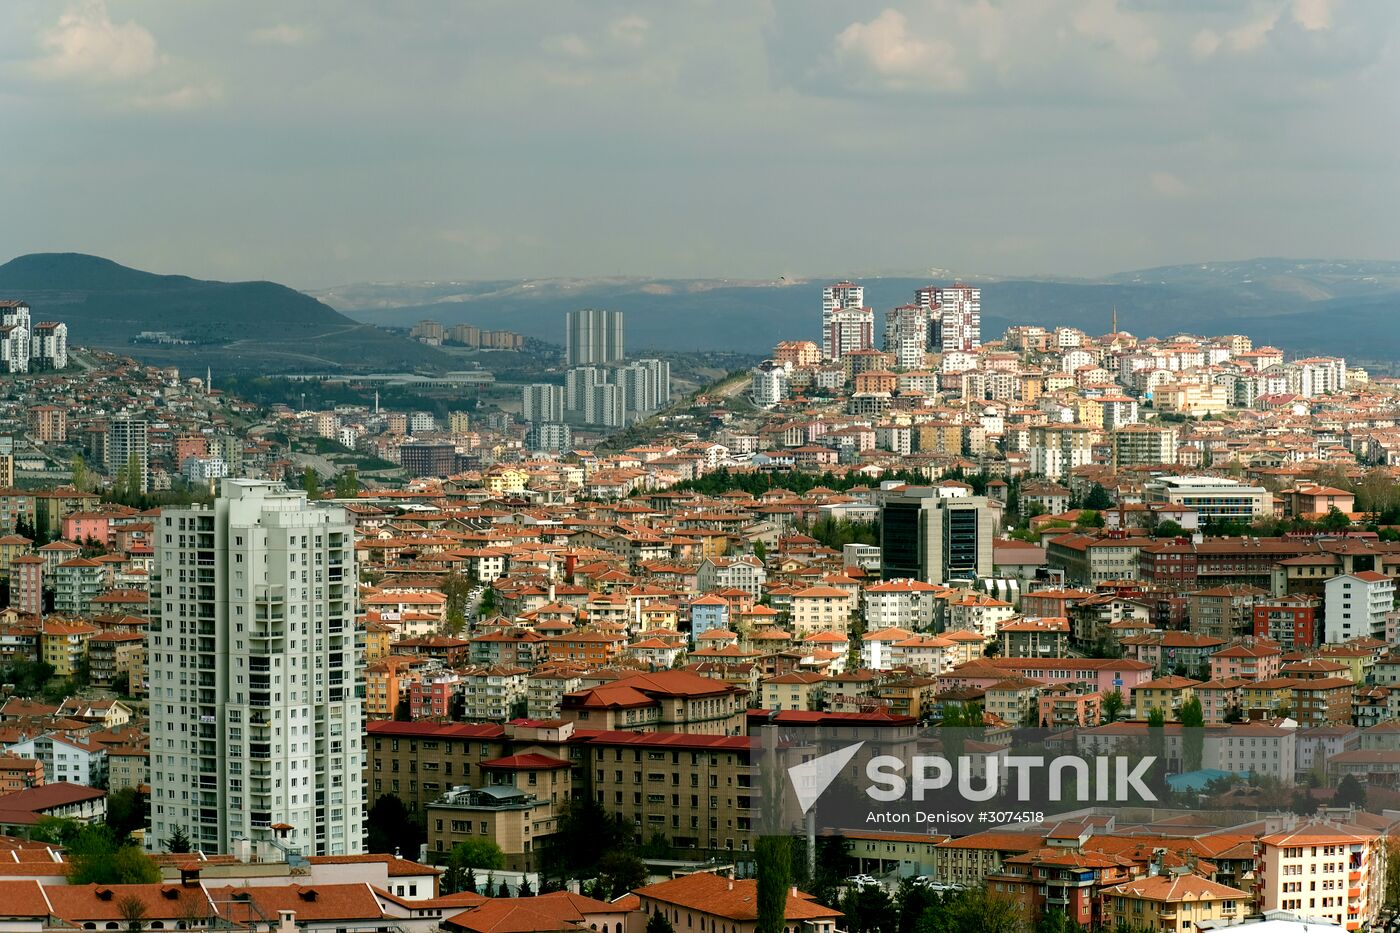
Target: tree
[(774, 859), (478, 853), (457, 589), (1168, 529), (347, 484), (619, 871), (523, 889), (1350, 793), (1112, 705), (1193, 721), (392, 828), (133, 911), (657, 923), (1098, 499), (310, 483), (1156, 718), (1088, 518), (1335, 520), (83, 480), (126, 811), (94, 857), (760, 550), (178, 842), (469, 882)]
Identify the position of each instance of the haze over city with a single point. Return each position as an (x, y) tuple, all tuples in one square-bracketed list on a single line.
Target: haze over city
[(323, 143)]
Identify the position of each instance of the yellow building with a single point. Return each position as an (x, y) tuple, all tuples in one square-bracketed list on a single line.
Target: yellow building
[(63, 644), (1172, 902), (12, 546), (505, 480), (1166, 694)]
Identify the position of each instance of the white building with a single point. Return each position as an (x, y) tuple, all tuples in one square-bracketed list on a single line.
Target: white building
[(1356, 606), (256, 721), (421, 422), (723, 573), (768, 383), (906, 604), (1214, 498), (906, 335), (74, 759), (541, 403), (48, 345), (1057, 449), (204, 469), (14, 348), (128, 440), (960, 318)]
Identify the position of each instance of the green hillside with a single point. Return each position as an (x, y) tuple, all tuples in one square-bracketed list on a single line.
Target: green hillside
[(231, 326)]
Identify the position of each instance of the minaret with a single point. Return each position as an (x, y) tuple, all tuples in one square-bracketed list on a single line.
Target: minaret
[(1115, 320), (208, 379), (376, 401)]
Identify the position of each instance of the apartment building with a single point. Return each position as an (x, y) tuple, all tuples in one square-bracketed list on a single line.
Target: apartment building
[(255, 704)]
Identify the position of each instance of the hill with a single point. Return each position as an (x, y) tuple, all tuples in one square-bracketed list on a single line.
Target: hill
[(1305, 306), (231, 326)]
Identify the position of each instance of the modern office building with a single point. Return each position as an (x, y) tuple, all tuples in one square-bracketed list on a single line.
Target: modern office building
[(593, 337), (927, 536), (424, 458), (128, 439), (255, 705)]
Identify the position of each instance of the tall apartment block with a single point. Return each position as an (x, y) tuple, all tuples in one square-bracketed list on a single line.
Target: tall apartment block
[(255, 704), (955, 315), (847, 325), (128, 439), (906, 335), (542, 402), (593, 337)]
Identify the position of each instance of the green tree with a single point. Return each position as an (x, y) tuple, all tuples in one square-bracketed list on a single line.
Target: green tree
[(347, 484), (179, 841), (310, 483), (1350, 793), (392, 828), (1193, 738), (83, 480), (126, 811), (760, 550), (469, 882), (1088, 518), (95, 857), (477, 853), (523, 889), (1168, 529), (773, 856), (1335, 520), (1098, 499), (657, 923), (457, 588), (620, 871), (1112, 705)]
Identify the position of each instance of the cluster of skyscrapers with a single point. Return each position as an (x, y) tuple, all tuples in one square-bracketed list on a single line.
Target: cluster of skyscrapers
[(600, 390), (26, 346), (940, 319)]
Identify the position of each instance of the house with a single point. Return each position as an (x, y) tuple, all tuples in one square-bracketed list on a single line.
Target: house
[(709, 901)]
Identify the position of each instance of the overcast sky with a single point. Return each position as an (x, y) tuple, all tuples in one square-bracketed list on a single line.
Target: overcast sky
[(318, 143)]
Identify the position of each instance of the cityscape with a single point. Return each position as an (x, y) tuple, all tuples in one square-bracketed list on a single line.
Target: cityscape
[(804, 468)]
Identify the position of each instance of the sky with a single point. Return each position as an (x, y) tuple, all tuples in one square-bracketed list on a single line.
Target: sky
[(323, 143)]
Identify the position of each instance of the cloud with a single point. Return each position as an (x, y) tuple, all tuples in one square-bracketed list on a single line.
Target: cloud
[(1205, 43), (886, 51), (1130, 35), (1253, 34), (281, 34), (185, 97), (1313, 15), (568, 46), (630, 31), (1167, 185), (86, 44)]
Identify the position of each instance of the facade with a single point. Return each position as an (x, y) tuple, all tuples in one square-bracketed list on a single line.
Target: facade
[(542, 402), (929, 537), (593, 337), (1144, 445), (128, 441), (428, 459), (1214, 498), (1057, 449), (1357, 605), (256, 723), (1331, 871)]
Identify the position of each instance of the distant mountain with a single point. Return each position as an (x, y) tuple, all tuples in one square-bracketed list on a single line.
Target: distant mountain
[(231, 326), (1301, 305)]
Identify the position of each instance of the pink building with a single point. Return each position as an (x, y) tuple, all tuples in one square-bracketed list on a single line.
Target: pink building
[(81, 526), (1251, 662), (1089, 675), (431, 697), (27, 584)]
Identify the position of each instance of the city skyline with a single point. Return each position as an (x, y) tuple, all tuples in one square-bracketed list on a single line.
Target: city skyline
[(1151, 133)]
